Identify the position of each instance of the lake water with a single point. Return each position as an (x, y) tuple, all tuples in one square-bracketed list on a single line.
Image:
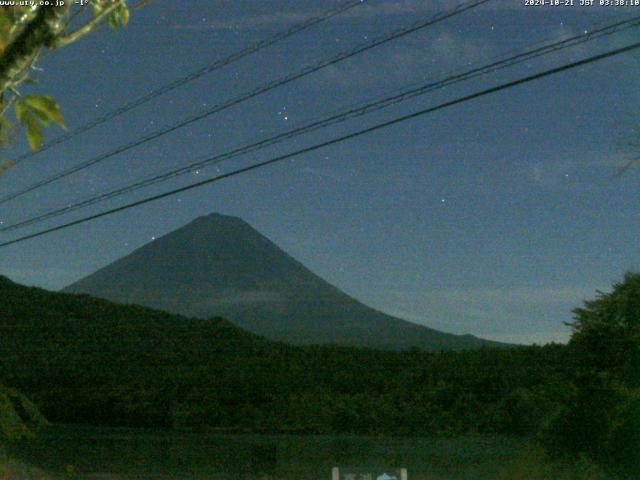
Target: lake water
[(145, 454)]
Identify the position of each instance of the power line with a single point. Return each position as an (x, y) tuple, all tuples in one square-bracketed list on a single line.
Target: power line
[(260, 90), (168, 87), (350, 113), (334, 141)]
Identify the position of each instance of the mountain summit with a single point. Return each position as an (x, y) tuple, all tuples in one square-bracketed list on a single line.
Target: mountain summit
[(219, 265)]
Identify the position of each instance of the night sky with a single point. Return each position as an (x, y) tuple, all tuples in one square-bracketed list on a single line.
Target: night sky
[(494, 217)]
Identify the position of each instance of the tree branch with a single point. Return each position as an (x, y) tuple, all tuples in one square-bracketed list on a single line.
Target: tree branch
[(40, 32), (87, 28)]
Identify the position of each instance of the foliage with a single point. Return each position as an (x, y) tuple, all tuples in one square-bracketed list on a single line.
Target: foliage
[(600, 417), (27, 32), (34, 111), (18, 416), (14, 469), (93, 361), (606, 334), (624, 437), (534, 464)]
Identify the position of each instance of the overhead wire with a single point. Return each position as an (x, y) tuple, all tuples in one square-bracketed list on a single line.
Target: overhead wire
[(461, 8), (339, 117), (340, 139), (168, 87)]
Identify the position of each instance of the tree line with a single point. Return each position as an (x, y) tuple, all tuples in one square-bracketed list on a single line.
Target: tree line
[(84, 360)]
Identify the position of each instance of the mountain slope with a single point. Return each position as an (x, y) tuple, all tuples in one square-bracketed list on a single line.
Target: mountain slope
[(90, 361), (87, 359), (39, 323), (220, 266)]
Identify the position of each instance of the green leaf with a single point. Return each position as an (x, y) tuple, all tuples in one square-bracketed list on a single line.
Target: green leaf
[(98, 7), (21, 111), (113, 20), (124, 15), (119, 18), (45, 108), (32, 111), (34, 131)]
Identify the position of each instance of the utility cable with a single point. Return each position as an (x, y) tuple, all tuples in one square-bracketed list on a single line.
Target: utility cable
[(333, 119), (333, 141), (260, 90)]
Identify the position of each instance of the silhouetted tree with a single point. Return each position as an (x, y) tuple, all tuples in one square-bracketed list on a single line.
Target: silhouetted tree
[(601, 416)]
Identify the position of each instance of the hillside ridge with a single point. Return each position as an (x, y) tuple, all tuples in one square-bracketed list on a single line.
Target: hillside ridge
[(219, 265)]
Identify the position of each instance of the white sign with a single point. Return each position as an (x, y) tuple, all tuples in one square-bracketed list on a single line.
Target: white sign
[(369, 474)]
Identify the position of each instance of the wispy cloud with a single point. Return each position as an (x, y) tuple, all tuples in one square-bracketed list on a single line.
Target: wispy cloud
[(283, 18), (49, 278), (530, 338), (265, 15), (531, 314), (513, 296), (250, 21), (403, 64), (552, 173), (245, 297)]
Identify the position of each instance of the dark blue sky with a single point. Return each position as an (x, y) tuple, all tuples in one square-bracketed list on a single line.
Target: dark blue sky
[(495, 217)]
